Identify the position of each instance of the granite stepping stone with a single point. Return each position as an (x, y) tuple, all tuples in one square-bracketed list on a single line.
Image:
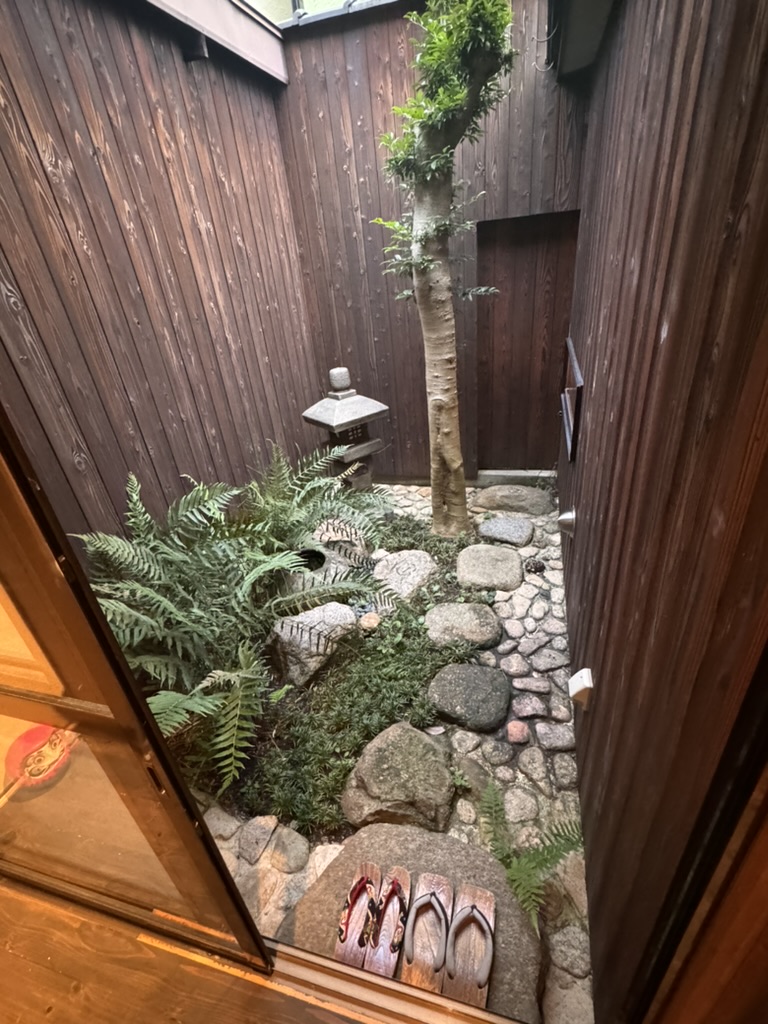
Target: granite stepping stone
[(507, 530), (490, 567)]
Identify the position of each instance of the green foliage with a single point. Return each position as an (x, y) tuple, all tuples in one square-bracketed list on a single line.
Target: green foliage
[(372, 682), (285, 506), (528, 870), (460, 56), (192, 599), (402, 533), (460, 781)]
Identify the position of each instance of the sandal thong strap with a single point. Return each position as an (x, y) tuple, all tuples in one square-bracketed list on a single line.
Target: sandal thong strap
[(393, 889), (471, 913), (359, 886), (428, 899)]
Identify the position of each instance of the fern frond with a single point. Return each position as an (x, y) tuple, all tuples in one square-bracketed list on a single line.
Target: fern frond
[(265, 565), (556, 843), (142, 527), (526, 871), (527, 884), (234, 726), (199, 508), (113, 557), (311, 467), (146, 599), (276, 483), (172, 710), (350, 583), (130, 625), (494, 822), (167, 670)]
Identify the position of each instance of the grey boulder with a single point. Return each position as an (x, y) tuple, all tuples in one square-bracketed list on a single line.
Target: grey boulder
[(301, 644), (506, 530), (533, 501), (403, 572), (471, 695), (402, 776)]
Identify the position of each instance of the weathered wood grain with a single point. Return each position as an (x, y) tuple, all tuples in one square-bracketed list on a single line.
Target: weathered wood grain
[(151, 252), (521, 338), (666, 583)]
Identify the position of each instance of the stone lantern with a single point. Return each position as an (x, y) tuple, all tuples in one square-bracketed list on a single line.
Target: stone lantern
[(346, 415)]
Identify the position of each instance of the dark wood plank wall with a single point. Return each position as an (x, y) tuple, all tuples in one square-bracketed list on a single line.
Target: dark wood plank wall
[(520, 338), (345, 75), (667, 579), (152, 316)]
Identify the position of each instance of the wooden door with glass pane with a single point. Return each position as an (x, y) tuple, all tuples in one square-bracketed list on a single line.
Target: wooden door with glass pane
[(90, 806)]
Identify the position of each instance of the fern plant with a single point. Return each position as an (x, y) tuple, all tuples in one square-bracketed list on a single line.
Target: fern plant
[(287, 506), (192, 599), (527, 871)]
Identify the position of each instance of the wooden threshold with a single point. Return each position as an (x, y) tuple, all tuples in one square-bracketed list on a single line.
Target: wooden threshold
[(68, 963)]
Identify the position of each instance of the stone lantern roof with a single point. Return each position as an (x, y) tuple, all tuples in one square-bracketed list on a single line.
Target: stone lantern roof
[(343, 408)]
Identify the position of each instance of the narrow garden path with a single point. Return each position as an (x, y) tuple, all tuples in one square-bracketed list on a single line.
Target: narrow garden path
[(415, 795)]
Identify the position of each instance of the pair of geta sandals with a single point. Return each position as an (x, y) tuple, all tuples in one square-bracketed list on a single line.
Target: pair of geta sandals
[(373, 919), (446, 938)]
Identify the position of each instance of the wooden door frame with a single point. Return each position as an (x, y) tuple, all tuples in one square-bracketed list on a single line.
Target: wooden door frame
[(707, 895)]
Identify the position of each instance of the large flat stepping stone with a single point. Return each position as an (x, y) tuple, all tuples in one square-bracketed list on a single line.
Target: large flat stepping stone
[(405, 571), (534, 501), (474, 623), (402, 776), (507, 530), (489, 567), (471, 695), (312, 923)]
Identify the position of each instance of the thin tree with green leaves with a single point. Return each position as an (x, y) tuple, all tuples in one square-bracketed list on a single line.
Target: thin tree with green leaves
[(461, 55)]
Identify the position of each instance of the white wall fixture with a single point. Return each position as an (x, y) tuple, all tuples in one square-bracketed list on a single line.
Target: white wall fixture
[(580, 687)]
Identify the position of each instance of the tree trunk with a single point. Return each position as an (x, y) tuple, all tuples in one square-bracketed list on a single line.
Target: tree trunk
[(434, 298)]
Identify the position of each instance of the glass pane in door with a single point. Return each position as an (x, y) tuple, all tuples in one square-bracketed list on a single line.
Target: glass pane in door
[(60, 815), (22, 665)]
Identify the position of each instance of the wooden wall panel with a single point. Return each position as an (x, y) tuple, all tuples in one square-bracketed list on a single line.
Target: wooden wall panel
[(345, 76), (154, 316), (521, 338), (666, 577)]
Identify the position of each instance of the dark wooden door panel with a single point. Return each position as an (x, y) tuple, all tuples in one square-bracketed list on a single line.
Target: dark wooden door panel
[(521, 337)]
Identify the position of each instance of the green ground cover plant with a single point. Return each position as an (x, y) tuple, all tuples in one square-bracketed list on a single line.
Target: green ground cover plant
[(372, 682)]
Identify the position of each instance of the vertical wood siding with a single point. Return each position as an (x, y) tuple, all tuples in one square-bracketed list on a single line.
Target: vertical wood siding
[(345, 76), (520, 338), (667, 583), (151, 311)]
